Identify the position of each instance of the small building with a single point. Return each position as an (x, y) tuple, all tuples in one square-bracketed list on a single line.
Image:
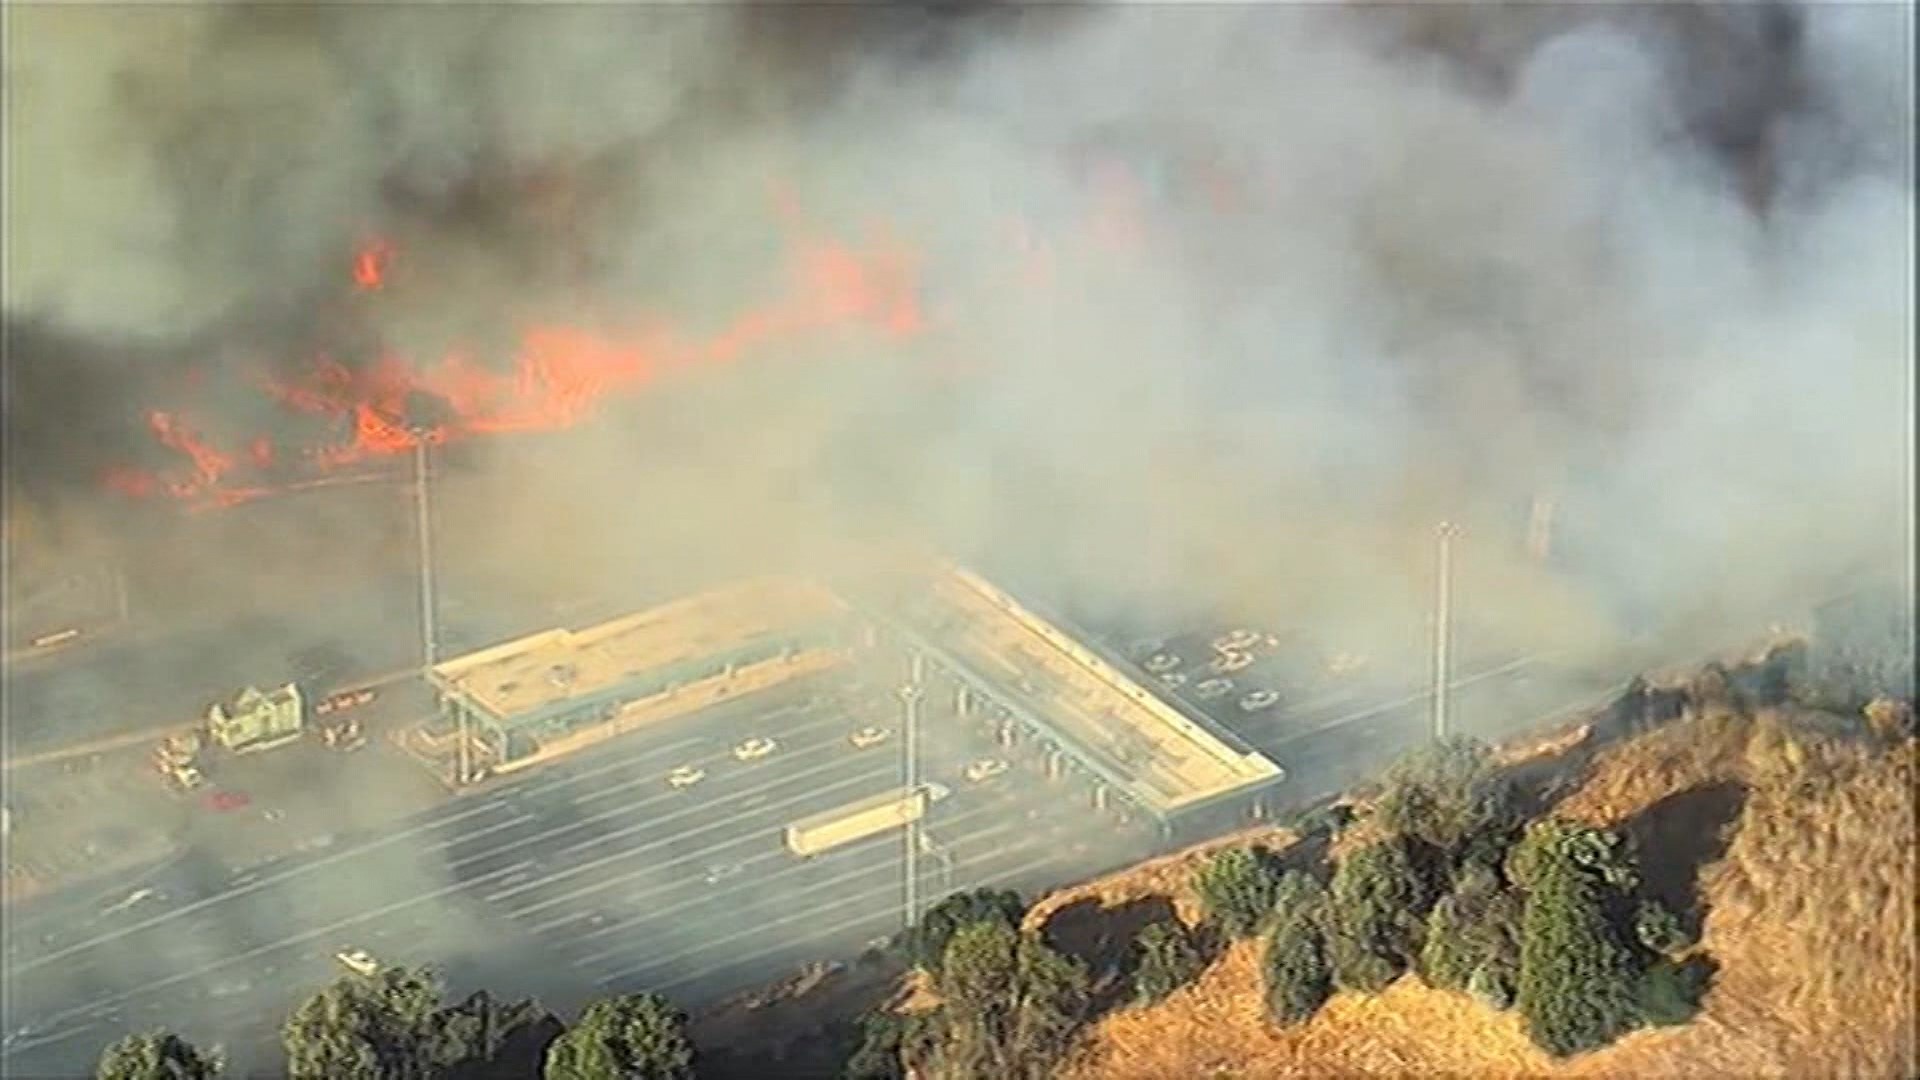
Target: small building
[(541, 697), (257, 720), (1187, 773)]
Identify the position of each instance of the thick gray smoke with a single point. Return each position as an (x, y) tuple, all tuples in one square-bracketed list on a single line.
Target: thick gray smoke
[(1651, 261)]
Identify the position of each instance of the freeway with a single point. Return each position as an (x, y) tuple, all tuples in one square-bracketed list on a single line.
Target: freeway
[(598, 864)]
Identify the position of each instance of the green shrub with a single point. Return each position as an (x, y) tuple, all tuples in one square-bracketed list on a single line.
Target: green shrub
[(1168, 961), (1379, 899), (925, 944), (1669, 992), (1237, 888), (1474, 931), (1577, 979), (1298, 980), (1445, 795)]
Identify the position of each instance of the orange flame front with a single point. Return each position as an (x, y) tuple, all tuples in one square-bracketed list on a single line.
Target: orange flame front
[(559, 375)]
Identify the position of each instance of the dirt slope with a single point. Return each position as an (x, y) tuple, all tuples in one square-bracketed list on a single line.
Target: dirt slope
[(1800, 847)]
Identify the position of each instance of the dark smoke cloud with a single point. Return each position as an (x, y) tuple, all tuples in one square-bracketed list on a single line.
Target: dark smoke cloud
[(1650, 259)]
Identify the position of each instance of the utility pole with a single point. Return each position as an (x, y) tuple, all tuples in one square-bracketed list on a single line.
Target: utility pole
[(1443, 628), (910, 695), (427, 647)]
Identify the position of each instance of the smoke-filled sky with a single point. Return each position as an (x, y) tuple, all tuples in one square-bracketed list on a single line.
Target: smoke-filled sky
[(1229, 301)]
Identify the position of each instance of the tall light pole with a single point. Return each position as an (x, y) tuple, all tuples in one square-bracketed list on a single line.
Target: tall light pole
[(910, 695), (427, 646), (1443, 626)]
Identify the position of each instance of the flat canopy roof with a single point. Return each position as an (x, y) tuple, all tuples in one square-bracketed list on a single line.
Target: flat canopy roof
[(1168, 759), (528, 675)]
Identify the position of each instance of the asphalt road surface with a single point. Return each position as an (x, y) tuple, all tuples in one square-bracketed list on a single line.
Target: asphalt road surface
[(577, 882), (155, 673), (594, 877)]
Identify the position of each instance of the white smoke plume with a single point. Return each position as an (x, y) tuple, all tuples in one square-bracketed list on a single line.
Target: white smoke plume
[(1654, 261)]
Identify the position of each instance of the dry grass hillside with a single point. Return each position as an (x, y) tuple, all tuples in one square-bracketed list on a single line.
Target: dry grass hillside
[(1798, 847)]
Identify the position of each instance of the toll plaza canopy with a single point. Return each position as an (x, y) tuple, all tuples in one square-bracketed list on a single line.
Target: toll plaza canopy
[(1158, 755), (555, 674)]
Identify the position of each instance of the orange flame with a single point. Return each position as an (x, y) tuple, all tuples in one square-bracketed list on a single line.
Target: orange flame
[(370, 264), (560, 374)]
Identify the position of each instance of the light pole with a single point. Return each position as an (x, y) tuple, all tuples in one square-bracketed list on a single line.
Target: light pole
[(910, 695), (427, 646), (1443, 627)]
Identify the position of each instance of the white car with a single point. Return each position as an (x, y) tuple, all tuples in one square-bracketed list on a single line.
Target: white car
[(1259, 699), (869, 736), (1239, 640), (686, 776), (754, 749), (1174, 679), (358, 961), (1228, 663), (1161, 663), (985, 769), (1213, 688)]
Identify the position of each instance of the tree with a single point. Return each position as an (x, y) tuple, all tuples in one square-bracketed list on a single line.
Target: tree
[(1602, 853), (1237, 887), (482, 1038), (1011, 1004), (1473, 939), (365, 1028), (1379, 898), (1168, 960), (1446, 794), (1298, 979), (891, 1043), (1577, 978), (925, 943), (157, 1055), (632, 1037), (391, 1026)]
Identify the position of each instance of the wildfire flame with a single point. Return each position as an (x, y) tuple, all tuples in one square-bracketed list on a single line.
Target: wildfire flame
[(559, 375), (370, 264)]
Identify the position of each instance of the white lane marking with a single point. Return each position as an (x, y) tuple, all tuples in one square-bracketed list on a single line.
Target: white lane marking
[(761, 927), (624, 810), (365, 916), (884, 912), (308, 867), (1375, 710), (859, 780), (798, 868)]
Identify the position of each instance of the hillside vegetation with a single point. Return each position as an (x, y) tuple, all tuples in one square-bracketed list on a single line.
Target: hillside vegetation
[(1787, 839)]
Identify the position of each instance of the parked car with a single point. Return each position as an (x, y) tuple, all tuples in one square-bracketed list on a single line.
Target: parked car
[(869, 736), (1213, 688), (358, 961), (1259, 699), (1228, 663), (1174, 679), (685, 776), (754, 749), (985, 769), (1161, 663), (1238, 640)]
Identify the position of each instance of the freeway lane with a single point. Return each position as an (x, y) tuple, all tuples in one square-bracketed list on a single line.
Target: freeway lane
[(591, 876), (532, 850)]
